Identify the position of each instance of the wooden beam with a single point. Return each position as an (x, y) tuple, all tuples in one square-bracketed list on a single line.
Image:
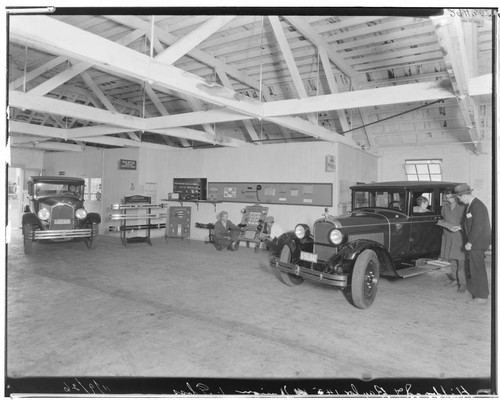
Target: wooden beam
[(50, 132), (59, 79), (104, 100), (362, 98), (247, 124), (340, 63), (201, 136), (16, 139), (195, 118), (451, 39), (89, 134), (192, 39), (160, 107), (301, 25), (94, 131), (37, 130), (37, 72), (316, 131), (290, 62), (332, 84), (121, 142), (168, 38), (47, 145), (58, 37), (65, 108)]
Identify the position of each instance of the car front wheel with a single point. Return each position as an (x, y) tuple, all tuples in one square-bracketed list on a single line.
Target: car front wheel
[(287, 278), (28, 238), (365, 278)]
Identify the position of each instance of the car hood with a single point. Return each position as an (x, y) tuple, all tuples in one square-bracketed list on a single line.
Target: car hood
[(360, 217), (53, 200)]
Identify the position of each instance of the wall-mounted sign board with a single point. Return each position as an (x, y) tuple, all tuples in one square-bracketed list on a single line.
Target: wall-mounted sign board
[(305, 194), (127, 164)]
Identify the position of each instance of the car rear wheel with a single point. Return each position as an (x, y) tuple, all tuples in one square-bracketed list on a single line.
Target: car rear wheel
[(287, 278), (365, 279), (28, 238)]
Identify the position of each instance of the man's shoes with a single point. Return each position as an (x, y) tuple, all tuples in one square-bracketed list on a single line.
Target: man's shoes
[(477, 301), (461, 288), (450, 283), (236, 245)]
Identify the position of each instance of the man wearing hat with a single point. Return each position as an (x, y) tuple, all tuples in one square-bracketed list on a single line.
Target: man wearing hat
[(477, 230)]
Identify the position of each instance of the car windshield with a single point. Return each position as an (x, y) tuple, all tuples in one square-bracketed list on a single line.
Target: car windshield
[(54, 189), (383, 198)]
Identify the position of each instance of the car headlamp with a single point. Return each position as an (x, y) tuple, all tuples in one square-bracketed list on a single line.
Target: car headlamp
[(335, 236), (81, 213), (302, 230), (43, 214)]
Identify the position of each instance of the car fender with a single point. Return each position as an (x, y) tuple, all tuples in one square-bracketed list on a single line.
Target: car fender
[(31, 219), (350, 253), (296, 245), (94, 218)]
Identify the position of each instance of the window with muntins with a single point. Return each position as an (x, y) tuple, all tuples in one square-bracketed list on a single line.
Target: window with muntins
[(424, 170)]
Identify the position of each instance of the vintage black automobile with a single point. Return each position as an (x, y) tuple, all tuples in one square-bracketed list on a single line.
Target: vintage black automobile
[(383, 235), (56, 212)]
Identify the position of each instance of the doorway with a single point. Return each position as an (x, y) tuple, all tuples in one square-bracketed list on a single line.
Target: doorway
[(17, 190), (15, 185)]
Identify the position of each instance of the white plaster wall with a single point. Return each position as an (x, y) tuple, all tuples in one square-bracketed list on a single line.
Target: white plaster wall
[(26, 158), (294, 162)]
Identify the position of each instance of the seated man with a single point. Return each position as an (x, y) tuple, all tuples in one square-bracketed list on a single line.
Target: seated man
[(73, 189), (423, 203), (226, 233)]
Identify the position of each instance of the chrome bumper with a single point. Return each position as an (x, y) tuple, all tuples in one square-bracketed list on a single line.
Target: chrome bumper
[(63, 234), (310, 274)]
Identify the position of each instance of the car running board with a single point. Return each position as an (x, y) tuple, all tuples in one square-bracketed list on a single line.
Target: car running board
[(422, 267)]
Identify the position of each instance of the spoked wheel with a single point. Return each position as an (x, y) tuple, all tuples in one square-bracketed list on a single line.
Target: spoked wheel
[(28, 238), (287, 278), (365, 278)]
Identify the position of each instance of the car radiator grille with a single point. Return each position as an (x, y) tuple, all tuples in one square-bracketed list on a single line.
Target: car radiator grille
[(324, 252), (62, 217), (321, 245)]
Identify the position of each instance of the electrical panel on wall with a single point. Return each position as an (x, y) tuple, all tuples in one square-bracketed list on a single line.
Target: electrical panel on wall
[(309, 194), (191, 188)]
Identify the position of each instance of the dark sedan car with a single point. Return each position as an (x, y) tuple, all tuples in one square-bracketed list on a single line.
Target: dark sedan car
[(385, 234), (56, 212)]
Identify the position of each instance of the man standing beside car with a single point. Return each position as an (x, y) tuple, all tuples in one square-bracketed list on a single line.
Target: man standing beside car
[(478, 238)]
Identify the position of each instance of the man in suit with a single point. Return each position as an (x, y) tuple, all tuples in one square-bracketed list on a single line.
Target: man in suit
[(477, 230)]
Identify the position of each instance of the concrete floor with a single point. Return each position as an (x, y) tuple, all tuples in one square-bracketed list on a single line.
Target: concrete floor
[(186, 310)]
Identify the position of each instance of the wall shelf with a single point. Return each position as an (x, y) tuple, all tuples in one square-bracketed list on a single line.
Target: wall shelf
[(144, 211), (197, 202)]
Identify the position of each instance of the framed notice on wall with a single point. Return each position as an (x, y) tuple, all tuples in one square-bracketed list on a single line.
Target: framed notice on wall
[(306, 194), (330, 165), (127, 164)]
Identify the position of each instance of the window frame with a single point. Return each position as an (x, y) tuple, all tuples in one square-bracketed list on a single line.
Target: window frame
[(423, 170)]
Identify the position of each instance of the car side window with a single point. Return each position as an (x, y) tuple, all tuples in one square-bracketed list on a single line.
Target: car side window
[(423, 203)]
